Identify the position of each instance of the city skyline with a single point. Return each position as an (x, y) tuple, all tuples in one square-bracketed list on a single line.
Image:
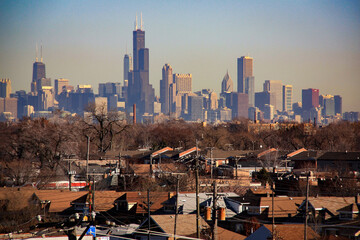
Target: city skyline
[(298, 53)]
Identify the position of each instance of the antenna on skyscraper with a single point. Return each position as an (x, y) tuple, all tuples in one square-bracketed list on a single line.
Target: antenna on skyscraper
[(136, 23), (36, 53), (141, 22), (41, 58)]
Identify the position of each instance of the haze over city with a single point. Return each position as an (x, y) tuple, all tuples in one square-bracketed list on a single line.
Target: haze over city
[(308, 44)]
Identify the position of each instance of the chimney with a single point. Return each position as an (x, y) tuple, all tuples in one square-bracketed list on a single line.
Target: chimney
[(134, 114)]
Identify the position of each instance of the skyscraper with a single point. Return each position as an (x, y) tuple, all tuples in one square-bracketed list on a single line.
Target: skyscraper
[(310, 99), (226, 84), (5, 88), (59, 84), (38, 71), (250, 90), (183, 83), (127, 68), (275, 87), (287, 97), (167, 79), (140, 92), (240, 105), (338, 104), (244, 70)]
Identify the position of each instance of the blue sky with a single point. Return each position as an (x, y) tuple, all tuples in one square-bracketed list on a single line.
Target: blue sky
[(309, 44)]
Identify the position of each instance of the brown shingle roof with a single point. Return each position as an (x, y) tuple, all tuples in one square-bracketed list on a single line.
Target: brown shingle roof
[(59, 199), (332, 204), (186, 223), (283, 206), (293, 231)]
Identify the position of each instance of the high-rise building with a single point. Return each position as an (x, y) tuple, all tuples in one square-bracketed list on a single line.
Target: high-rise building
[(327, 103), (287, 97), (5, 88), (59, 84), (42, 82), (195, 108), (46, 98), (109, 89), (338, 104), (183, 83), (244, 70), (268, 111), (263, 98), (250, 90), (240, 105), (167, 79), (9, 105), (275, 87), (310, 99), (127, 68), (227, 84), (38, 71), (139, 91)]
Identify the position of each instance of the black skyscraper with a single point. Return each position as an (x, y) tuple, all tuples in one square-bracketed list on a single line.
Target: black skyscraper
[(38, 71), (140, 92)]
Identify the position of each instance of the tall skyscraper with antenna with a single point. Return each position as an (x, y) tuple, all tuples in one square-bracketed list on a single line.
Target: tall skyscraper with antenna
[(38, 70), (140, 92)]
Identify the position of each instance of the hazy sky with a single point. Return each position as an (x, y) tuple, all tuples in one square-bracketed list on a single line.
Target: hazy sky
[(309, 44)]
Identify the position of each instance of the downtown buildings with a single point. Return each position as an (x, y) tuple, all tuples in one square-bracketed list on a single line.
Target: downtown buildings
[(177, 100)]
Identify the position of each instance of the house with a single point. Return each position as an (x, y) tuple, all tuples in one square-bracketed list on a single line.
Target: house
[(341, 162), (284, 232), (162, 227)]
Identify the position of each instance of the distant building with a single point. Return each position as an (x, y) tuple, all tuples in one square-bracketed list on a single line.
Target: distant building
[(275, 87), (140, 91), (338, 104), (351, 116), (310, 99), (127, 68), (195, 108), (328, 105), (183, 83), (227, 84), (224, 114), (5, 88), (38, 72), (240, 105), (42, 82), (59, 84), (263, 98), (287, 97), (167, 79), (254, 114), (244, 70), (109, 89), (250, 90), (46, 97), (9, 105), (268, 111)]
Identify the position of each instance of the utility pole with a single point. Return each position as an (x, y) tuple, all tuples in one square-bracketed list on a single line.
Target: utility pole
[(212, 162), (273, 217), (214, 210), (176, 205), (197, 192), (148, 205), (306, 206), (87, 159)]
